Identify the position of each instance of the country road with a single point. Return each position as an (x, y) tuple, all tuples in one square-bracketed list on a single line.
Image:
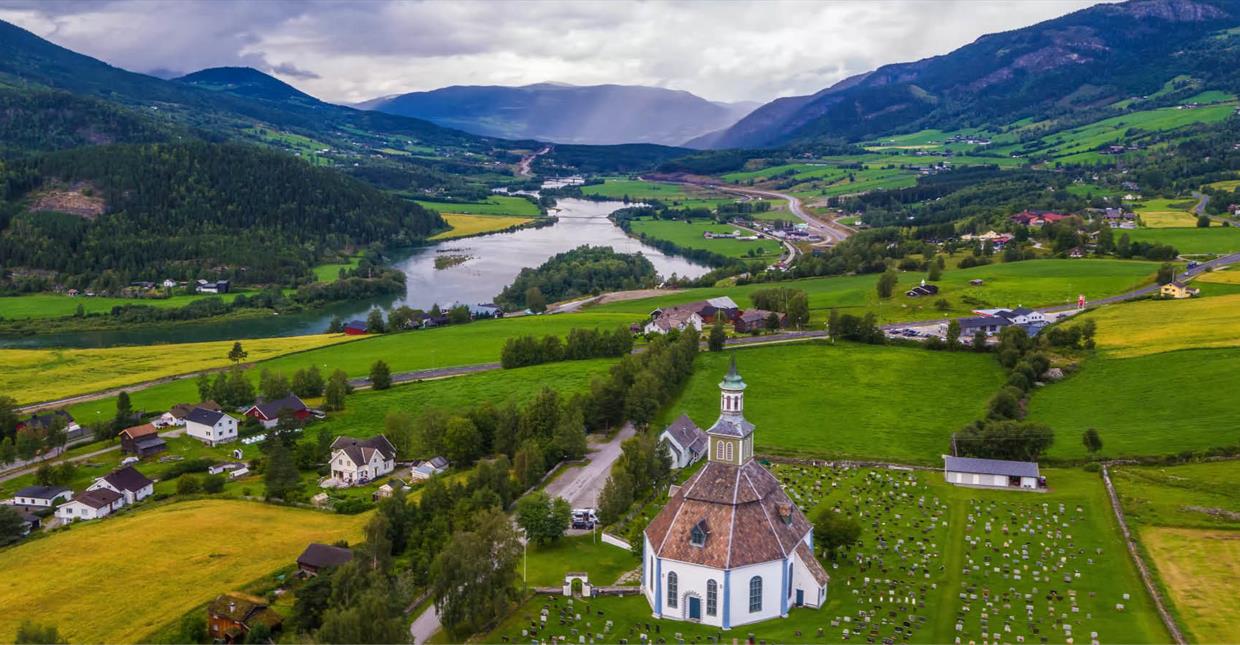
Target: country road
[(581, 486), (828, 231)]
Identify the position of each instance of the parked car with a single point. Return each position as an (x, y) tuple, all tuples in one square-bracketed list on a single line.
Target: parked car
[(584, 519)]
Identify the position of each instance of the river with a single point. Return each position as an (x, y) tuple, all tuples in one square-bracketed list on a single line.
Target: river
[(494, 261)]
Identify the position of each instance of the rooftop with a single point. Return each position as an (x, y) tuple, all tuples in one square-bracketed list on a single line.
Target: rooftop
[(991, 466)]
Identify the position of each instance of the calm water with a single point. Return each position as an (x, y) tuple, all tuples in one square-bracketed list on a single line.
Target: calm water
[(494, 261)]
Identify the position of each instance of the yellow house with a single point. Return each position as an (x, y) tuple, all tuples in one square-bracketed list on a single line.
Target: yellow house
[(1177, 290)]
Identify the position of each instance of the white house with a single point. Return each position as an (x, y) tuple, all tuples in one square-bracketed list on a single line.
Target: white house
[(992, 473), (730, 548), (91, 505), (429, 468), (357, 461), (673, 319), (45, 496), (210, 427), (128, 482), (685, 441)]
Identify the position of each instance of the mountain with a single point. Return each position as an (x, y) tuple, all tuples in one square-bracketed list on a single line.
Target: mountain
[(596, 114), (1082, 61), (248, 82)]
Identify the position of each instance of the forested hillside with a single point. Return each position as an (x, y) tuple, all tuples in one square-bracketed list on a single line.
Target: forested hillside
[(37, 119), (147, 212)]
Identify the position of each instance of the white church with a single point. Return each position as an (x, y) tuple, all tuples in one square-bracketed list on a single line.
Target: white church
[(730, 548)]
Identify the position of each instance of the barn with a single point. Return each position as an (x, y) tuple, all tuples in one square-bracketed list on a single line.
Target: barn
[(992, 473)]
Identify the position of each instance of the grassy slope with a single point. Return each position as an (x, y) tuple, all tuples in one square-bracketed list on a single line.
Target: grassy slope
[(1153, 326), (32, 375), (330, 272), (1167, 213), (154, 560), (53, 305), (1192, 241), (466, 225), (849, 400), (494, 205), (637, 190), (689, 235)]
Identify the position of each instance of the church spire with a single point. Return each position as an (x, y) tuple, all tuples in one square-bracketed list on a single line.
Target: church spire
[(730, 437)]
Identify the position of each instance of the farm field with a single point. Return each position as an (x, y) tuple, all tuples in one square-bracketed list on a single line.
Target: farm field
[(1187, 518), (1220, 276), (469, 344), (1153, 326), (54, 305), (1078, 144), (467, 225), (934, 563), (330, 272), (154, 560), (635, 189), (690, 235), (1147, 405), (367, 408), (494, 205), (1193, 241), (32, 375), (864, 401), (1167, 213)]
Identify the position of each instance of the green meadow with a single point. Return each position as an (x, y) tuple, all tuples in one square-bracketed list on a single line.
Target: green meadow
[(1193, 241), (636, 189), (494, 205), (55, 305), (689, 234), (847, 400)]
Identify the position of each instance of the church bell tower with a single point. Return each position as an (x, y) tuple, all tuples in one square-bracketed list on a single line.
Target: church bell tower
[(731, 438)]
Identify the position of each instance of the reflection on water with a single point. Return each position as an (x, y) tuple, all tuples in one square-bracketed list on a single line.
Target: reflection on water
[(494, 261)]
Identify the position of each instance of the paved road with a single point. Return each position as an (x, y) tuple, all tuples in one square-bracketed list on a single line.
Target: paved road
[(581, 486), (1202, 200), (524, 167), (828, 231), (425, 625)]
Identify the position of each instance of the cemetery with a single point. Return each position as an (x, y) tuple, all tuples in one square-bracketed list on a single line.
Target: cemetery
[(934, 563)]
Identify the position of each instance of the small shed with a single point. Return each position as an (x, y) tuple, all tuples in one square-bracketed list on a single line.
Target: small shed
[(991, 473)]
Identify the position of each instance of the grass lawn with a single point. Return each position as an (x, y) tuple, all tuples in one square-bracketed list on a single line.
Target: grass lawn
[(950, 562), (1187, 519), (689, 234), (1156, 404), (468, 344), (367, 408), (54, 305), (1167, 213), (605, 563), (823, 400), (331, 272), (154, 561), (1219, 276), (636, 189), (494, 205), (32, 375), (1153, 326), (467, 225), (1193, 241)]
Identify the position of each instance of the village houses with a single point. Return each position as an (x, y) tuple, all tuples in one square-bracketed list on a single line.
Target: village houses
[(358, 461), (685, 441), (268, 413), (211, 427), (1177, 290)]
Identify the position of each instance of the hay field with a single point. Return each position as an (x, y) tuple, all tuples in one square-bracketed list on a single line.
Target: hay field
[(1154, 326), (464, 225)]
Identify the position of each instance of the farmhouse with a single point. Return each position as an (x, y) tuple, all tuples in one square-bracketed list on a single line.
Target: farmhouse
[(91, 505), (317, 557), (42, 496), (1037, 219), (355, 327), (142, 440), (175, 416), (210, 426), (993, 473), (685, 441), (756, 320), (269, 413), (232, 615), (429, 468), (1177, 290), (694, 314), (922, 289), (128, 482), (357, 461), (673, 318), (217, 287), (730, 548), (53, 419)]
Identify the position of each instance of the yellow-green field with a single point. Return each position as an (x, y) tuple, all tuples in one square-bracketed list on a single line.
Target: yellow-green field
[(1228, 185), (117, 579), (32, 375), (1201, 571), (1167, 213), (1153, 326), (1220, 277), (466, 225)]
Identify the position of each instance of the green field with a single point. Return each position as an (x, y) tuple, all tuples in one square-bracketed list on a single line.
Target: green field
[(948, 562), (1188, 522), (636, 189), (847, 400), (1193, 241), (688, 234), (155, 562), (1153, 326), (1078, 144), (494, 205), (547, 564), (54, 305), (331, 272)]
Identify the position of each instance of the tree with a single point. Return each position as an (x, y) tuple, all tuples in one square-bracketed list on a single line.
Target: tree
[(616, 497), (543, 518), (798, 309), (188, 485), (213, 484), (772, 321), (529, 464), (535, 301), (979, 341), (193, 628), (569, 436), (281, 477), (1006, 404), (1004, 439), (124, 411), (717, 336), (472, 579), (273, 385), (953, 334), (374, 321), (12, 527), (835, 531), (308, 383), (887, 283), (204, 387), (1166, 273), (334, 393), (461, 441), (1203, 221), (935, 273), (380, 376), (8, 452), (1092, 440), (237, 354), (29, 632)]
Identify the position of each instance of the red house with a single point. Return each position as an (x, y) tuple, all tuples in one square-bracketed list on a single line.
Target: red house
[(269, 413), (355, 327)]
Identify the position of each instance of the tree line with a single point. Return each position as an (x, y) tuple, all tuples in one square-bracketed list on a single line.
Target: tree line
[(583, 271), (523, 351)]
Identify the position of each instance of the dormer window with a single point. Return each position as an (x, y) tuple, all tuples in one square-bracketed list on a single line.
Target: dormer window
[(697, 536)]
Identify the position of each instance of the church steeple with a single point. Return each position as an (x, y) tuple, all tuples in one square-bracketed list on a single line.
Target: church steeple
[(731, 438)]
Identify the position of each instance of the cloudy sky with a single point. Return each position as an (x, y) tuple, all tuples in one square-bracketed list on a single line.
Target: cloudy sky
[(352, 51)]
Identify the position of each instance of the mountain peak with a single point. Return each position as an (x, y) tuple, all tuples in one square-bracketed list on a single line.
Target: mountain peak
[(245, 81)]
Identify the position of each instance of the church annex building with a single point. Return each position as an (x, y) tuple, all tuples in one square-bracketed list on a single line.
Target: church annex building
[(730, 548)]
